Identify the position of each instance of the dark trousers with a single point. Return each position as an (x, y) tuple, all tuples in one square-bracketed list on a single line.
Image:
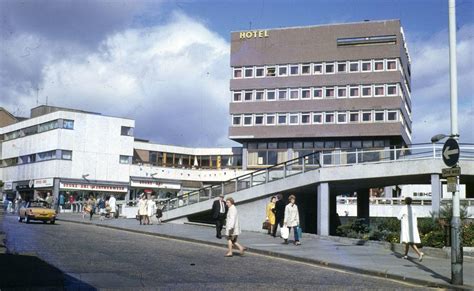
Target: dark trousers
[(278, 221), (219, 225)]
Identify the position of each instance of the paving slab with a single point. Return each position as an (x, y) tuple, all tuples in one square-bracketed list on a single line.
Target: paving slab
[(368, 259)]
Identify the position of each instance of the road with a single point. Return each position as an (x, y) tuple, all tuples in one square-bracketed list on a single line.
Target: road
[(85, 256)]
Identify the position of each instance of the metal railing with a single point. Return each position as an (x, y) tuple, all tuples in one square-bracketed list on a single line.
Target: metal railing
[(399, 201), (311, 162)]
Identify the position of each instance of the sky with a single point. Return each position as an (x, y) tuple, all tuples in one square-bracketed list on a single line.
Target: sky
[(166, 63)]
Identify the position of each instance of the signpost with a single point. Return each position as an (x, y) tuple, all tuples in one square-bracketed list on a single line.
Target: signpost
[(451, 152)]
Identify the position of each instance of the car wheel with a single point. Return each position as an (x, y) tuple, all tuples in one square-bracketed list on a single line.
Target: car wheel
[(53, 221), (27, 219)]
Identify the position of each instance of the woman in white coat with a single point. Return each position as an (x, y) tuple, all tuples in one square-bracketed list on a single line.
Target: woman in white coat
[(292, 218), (151, 205), (409, 229), (232, 228)]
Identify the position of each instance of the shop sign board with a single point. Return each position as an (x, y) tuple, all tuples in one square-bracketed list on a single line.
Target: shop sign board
[(43, 183), (8, 186), (92, 187), (153, 184)]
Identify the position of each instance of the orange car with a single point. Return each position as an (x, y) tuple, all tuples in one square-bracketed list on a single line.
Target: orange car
[(37, 210)]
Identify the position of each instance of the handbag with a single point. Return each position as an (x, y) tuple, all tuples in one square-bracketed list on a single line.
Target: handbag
[(284, 232), (266, 225)]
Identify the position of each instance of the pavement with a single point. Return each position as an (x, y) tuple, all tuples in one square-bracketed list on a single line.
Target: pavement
[(369, 259)]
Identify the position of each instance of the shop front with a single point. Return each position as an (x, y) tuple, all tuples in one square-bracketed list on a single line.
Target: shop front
[(76, 192), (42, 187), (161, 189), (25, 190), (8, 191)]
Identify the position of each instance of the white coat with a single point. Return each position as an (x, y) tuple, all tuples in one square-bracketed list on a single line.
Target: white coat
[(142, 207), (232, 226), (151, 207), (292, 217), (409, 226), (112, 204)]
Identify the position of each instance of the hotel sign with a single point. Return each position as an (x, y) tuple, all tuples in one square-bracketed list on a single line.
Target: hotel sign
[(91, 187), (253, 34)]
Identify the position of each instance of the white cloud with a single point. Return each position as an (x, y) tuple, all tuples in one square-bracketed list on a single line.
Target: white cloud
[(431, 91), (173, 79)]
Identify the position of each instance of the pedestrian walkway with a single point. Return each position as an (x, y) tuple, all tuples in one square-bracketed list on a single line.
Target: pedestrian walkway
[(368, 259)]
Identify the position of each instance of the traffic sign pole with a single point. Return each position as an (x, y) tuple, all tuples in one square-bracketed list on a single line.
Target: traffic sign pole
[(456, 251)]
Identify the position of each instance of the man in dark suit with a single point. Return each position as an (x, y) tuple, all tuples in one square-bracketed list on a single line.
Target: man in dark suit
[(219, 211), (279, 213)]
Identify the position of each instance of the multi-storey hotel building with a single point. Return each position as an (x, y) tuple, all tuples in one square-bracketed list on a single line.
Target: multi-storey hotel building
[(304, 89)]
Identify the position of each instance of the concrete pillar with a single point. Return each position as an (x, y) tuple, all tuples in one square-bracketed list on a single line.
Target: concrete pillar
[(388, 192), (323, 215), (56, 193), (363, 205), (244, 158), (436, 193)]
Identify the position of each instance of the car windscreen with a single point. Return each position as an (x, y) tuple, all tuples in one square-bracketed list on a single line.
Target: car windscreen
[(38, 204)]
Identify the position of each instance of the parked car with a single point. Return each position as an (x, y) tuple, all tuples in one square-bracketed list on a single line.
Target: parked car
[(37, 210)]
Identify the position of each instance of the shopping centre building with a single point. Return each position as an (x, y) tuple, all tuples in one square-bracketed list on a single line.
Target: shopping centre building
[(75, 153), (330, 87)]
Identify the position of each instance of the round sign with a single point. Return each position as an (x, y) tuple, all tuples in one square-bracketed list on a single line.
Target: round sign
[(450, 152)]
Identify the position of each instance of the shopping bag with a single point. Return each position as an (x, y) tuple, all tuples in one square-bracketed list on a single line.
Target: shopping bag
[(284, 232), (300, 232)]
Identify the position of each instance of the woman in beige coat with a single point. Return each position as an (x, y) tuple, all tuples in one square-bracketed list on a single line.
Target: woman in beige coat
[(232, 228)]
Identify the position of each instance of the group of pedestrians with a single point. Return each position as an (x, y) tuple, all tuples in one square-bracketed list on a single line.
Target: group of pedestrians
[(148, 212), (105, 205), (285, 215)]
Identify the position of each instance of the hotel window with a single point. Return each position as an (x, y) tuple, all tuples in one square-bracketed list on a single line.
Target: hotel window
[(366, 91), (126, 131), (236, 120), (305, 118), (270, 95), (282, 71), (317, 118), (317, 93), (282, 118), (392, 116), (66, 155), (237, 73), (366, 66), (330, 68), (248, 72), (329, 92), (378, 65), (305, 69), (341, 67), (237, 96), (68, 124), (354, 67), (305, 93), (329, 117), (248, 96), (354, 116), (379, 116), (318, 69), (294, 94), (367, 116), (247, 120), (294, 118), (271, 71), (270, 119), (392, 90), (259, 72), (391, 65), (294, 70), (259, 119), (379, 90), (342, 117), (125, 159), (282, 94), (259, 95), (341, 92), (354, 91)]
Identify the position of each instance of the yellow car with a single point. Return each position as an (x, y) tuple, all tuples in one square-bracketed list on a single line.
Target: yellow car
[(37, 210)]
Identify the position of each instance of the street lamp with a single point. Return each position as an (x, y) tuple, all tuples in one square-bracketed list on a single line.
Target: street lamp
[(441, 136)]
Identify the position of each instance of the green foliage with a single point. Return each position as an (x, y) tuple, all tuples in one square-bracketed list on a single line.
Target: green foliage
[(356, 228), (434, 238), (468, 235)]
